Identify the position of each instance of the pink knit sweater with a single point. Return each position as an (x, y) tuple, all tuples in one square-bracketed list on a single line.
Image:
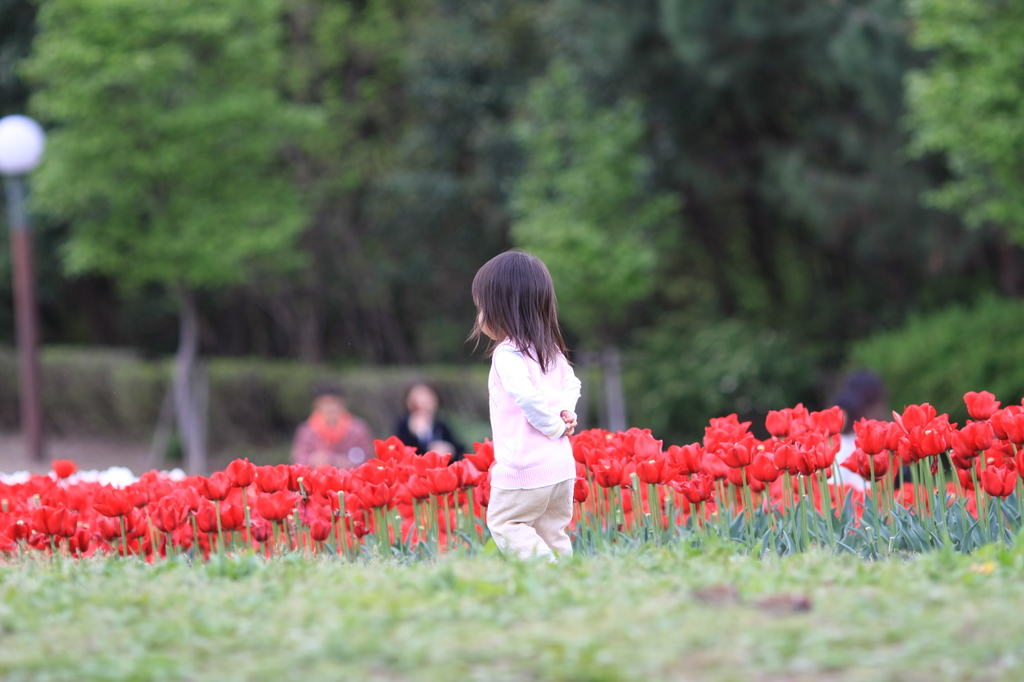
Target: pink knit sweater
[(529, 448)]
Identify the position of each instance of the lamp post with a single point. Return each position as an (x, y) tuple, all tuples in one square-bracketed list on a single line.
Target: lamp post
[(21, 148)]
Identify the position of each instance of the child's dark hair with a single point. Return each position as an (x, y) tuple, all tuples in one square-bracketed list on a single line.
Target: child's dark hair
[(516, 298)]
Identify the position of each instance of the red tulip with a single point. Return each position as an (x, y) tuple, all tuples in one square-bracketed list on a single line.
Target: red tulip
[(469, 476), (442, 481), (870, 435), (830, 420), (379, 494), (242, 473), (79, 542), (1008, 424), (272, 479), (320, 530), (914, 416), (483, 457), (930, 440), (63, 468), (698, 490), (609, 473), (109, 528), (138, 495), (216, 487), (655, 468), (763, 468), (743, 477), (206, 519), (778, 422), (112, 502), (20, 530), (327, 481), (580, 490), (232, 516), (982, 405), (869, 467), (998, 481), (188, 498), (737, 456), (392, 448), (295, 473), (276, 506), (687, 458), (782, 456), (971, 439), (417, 488), (484, 492), (893, 434), (713, 466), (168, 514), (792, 460), (261, 530), (430, 460), (724, 430), (378, 471), (54, 521)]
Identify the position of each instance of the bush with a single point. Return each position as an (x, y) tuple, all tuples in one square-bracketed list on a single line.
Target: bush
[(682, 373), (939, 357), (252, 402)]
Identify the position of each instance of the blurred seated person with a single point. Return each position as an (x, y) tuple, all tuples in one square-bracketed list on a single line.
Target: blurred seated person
[(332, 435), (862, 395), (420, 427)]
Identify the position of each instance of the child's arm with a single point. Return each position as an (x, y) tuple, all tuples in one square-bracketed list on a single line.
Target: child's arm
[(515, 377)]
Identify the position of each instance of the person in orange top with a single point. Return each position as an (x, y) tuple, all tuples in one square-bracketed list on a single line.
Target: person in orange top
[(332, 435)]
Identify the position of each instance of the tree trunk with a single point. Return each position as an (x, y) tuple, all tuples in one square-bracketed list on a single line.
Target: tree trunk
[(189, 422), (615, 399)]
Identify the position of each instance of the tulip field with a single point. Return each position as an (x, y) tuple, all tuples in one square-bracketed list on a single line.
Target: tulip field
[(777, 496), (387, 571)]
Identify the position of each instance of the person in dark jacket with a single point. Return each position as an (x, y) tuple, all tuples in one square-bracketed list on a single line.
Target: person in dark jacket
[(420, 426)]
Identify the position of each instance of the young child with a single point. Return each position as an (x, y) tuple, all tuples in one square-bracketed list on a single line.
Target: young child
[(533, 394)]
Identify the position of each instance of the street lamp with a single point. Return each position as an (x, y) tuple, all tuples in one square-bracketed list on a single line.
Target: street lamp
[(21, 148)]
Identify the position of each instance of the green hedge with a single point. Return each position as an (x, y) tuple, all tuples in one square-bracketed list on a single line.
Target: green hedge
[(685, 371), (252, 402), (937, 358)]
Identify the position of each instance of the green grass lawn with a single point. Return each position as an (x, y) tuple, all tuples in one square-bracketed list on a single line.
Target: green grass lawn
[(653, 614)]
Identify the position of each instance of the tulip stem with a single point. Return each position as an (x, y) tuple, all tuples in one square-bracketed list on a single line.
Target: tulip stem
[(248, 523), (654, 508), (220, 530), (343, 536), (826, 507), (447, 523), (472, 514), (124, 537), (804, 516), (980, 504)]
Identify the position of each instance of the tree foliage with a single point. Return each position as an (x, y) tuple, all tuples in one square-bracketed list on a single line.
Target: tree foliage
[(582, 203), (739, 165), (167, 133), (945, 354), (968, 104)]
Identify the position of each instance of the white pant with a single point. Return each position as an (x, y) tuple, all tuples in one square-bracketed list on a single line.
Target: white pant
[(528, 523)]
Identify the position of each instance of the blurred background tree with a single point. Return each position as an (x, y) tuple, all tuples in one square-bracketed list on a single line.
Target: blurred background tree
[(164, 160), (721, 189), (580, 205), (968, 104)]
